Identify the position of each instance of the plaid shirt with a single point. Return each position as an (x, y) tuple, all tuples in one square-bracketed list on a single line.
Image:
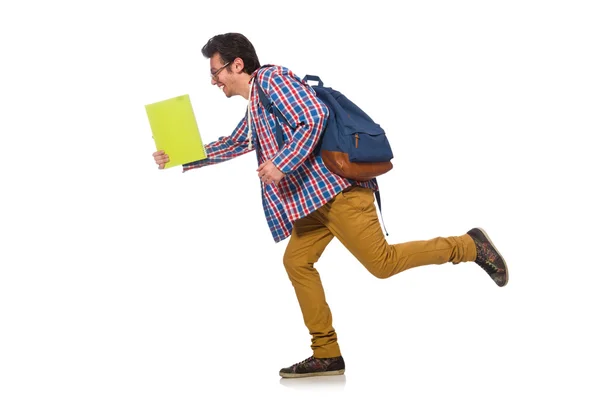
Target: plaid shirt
[(307, 184)]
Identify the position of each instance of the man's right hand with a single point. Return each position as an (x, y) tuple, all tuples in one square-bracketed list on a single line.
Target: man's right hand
[(161, 158)]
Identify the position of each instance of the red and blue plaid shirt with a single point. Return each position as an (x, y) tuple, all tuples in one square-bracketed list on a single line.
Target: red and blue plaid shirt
[(307, 184)]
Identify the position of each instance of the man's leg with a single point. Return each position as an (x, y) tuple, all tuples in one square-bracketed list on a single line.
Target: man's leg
[(352, 218), (309, 239)]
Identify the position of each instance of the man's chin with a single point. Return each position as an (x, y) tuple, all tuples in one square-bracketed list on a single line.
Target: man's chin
[(226, 92)]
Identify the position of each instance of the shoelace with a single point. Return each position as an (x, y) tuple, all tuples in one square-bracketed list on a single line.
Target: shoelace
[(489, 267), (305, 361), (249, 121), (485, 264)]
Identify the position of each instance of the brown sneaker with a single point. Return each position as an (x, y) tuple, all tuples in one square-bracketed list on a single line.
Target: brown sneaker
[(315, 367), (488, 257)]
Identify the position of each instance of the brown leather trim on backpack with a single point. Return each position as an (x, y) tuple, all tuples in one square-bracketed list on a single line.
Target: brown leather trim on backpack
[(339, 163)]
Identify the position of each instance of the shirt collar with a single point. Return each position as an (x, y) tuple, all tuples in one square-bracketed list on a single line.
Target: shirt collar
[(255, 73)]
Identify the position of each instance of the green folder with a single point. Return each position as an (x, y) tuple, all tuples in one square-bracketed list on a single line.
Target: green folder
[(175, 130)]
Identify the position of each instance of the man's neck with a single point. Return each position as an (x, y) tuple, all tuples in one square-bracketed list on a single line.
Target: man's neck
[(244, 82)]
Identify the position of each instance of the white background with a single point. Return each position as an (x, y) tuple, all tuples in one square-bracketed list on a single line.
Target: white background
[(117, 279)]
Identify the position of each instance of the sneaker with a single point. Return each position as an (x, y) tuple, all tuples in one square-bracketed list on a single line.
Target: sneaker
[(315, 367), (488, 257)]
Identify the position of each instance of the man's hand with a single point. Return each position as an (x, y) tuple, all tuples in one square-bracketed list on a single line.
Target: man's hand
[(161, 158), (269, 174)]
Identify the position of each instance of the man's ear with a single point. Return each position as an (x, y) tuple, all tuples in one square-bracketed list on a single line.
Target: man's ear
[(238, 65)]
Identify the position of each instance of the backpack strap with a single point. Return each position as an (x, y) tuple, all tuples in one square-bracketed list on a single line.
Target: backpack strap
[(310, 77), (271, 108), (378, 197)]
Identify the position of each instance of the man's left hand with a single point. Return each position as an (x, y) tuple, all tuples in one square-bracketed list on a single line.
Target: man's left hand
[(268, 173)]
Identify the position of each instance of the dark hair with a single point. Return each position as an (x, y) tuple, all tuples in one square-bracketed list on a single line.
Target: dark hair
[(231, 46)]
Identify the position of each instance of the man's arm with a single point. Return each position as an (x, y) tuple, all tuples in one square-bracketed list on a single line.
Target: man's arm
[(303, 111), (225, 148)]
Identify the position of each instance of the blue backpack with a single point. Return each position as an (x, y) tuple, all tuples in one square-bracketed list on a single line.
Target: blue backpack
[(352, 144)]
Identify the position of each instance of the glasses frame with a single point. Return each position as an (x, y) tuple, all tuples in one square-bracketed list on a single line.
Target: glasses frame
[(213, 76)]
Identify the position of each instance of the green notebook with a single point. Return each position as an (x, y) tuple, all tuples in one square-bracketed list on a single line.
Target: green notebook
[(175, 130)]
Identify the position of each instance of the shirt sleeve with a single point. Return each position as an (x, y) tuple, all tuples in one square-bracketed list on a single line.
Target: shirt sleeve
[(225, 148), (305, 114)]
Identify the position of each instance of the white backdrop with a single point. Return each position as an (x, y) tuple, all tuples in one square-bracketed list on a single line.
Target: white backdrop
[(118, 279)]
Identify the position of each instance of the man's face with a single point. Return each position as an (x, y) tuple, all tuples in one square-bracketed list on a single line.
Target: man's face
[(222, 75)]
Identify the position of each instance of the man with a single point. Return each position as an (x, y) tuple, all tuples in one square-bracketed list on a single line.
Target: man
[(304, 200)]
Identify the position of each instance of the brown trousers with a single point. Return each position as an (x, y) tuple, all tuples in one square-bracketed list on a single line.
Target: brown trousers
[(352, 218)]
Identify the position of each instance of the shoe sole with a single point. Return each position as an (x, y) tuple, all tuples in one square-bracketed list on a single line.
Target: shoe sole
[(327, 373), (498, 251)]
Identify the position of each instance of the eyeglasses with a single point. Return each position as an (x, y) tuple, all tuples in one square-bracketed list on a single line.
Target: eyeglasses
[(213, 76)]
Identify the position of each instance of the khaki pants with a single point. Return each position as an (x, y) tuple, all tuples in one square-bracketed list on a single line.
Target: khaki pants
[(352, 218)]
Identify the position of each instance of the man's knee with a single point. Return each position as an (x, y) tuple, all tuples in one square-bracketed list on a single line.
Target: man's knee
[(379, 271), (380, 267), (291, 262), (295, 260)]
